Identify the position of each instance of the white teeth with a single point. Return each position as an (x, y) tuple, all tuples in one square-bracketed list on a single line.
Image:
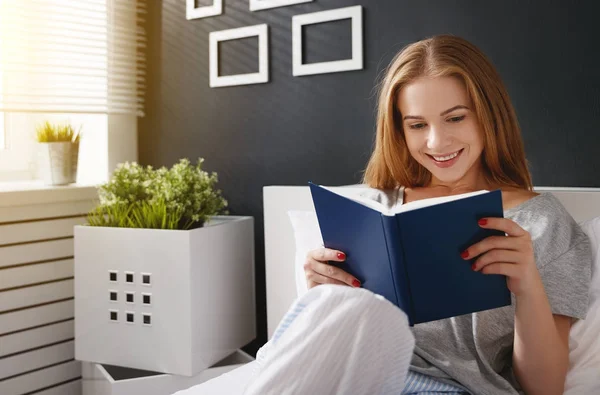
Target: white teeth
[(445, 158)]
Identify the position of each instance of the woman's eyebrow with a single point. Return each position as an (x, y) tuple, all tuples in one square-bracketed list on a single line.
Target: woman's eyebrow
[(441, 115)]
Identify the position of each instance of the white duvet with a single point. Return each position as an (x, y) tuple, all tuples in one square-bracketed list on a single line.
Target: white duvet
[(368, 355)]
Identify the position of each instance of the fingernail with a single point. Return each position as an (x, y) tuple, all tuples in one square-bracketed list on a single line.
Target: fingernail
[(464, 254), (356, 283), (473, 267), (482, 221), (341, 255)]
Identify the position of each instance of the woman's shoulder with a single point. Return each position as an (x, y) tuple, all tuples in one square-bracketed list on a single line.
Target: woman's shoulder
[(533, 204), (514, 197), (548, 222)]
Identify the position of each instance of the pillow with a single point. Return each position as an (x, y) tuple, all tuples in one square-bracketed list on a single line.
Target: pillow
[(592, 228), (307, 236), (584, 342), (307, 233)]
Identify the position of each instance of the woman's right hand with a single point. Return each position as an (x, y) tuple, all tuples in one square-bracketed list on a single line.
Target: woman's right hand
[(318, 271)]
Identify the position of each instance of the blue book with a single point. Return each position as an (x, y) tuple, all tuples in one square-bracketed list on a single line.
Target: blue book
[(411, 256)]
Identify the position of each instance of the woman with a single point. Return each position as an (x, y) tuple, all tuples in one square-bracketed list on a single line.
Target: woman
[(446, 126)]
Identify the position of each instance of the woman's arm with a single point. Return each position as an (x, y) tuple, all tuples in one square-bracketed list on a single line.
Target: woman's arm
[(541, 345), (540, 353)]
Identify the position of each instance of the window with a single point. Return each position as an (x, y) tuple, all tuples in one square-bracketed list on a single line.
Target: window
[(67, 61), (2, 131), (2, 128)]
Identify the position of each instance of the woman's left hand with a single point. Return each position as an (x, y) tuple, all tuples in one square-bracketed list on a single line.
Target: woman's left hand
[(510, 255)]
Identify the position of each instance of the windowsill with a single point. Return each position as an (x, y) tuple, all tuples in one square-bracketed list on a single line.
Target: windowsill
[(22, 193)]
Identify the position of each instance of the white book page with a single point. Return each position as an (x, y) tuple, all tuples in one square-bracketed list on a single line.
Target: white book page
[(433, 201), (353, 193)]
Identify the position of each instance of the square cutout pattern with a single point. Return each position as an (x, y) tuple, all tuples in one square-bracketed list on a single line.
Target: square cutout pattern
[(113, 296), (356, 63)]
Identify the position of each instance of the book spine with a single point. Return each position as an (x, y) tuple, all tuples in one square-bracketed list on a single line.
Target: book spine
[(397, 265)]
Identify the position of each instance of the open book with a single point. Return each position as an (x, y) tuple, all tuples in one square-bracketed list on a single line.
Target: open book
[(411, 255)]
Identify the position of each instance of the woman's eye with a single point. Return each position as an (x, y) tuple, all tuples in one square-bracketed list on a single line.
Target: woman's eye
[(417, 126), (457, 119)]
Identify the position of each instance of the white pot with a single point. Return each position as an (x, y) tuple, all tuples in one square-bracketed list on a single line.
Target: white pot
[(114, 380), (201, 290), (58, 162)]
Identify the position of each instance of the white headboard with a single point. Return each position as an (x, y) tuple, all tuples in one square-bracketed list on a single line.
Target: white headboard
[(582, 203)]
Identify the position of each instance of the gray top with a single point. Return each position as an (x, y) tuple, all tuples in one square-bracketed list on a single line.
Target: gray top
[(474, 351)]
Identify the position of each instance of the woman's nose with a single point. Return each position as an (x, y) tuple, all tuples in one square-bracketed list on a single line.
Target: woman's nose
[(437, 139)]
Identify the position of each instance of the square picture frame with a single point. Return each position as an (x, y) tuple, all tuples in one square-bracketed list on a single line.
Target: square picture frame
[(262, 76), (193, 12), (257, 5), (355, 63)]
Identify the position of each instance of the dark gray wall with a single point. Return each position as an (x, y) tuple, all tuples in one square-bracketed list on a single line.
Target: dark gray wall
[(320, 128)]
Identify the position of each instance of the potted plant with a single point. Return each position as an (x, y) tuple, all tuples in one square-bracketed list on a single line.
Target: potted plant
[(162, 282), (59, 152)]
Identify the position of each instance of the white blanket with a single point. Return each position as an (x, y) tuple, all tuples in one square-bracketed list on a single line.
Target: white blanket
[(333, 340)]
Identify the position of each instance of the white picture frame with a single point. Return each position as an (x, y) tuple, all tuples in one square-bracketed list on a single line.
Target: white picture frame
[(193, 12), (262, 76), (257, 5), (355, 63)]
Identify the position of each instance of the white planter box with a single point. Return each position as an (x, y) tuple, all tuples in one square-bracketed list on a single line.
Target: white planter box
[(199, 285), (114, 380)]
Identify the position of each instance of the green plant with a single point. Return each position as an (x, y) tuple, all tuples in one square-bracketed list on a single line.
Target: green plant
[(182, 197), (52, 133), (137, 215)]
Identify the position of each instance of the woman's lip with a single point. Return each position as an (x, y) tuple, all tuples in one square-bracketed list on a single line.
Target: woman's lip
[(451, 153), (448, 163)]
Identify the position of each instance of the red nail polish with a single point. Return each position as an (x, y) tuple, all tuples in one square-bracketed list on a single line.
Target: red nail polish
[(482, 221), (341, 255), (356, 283), (464, 254), (473, 267)]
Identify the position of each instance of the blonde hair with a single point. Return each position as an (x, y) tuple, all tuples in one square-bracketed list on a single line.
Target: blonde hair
[(503, 156)]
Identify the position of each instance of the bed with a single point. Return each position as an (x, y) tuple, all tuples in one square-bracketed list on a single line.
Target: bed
[(283, 275)]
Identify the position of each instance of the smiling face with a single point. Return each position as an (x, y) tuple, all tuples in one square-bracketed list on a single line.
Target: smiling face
[(441, 130)]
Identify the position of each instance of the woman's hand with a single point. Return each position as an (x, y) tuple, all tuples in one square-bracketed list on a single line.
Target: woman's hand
[(318, 271), (510, 255)]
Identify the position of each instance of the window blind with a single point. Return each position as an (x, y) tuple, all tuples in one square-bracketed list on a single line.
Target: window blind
[(65, 56)]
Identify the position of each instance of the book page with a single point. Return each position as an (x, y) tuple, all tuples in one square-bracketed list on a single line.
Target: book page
[(433, 201), (353, 193)]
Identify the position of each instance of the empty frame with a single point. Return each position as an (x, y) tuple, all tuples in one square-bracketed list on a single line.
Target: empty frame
[(193, 12), (257, 5), (355, 63), (240, 79)]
